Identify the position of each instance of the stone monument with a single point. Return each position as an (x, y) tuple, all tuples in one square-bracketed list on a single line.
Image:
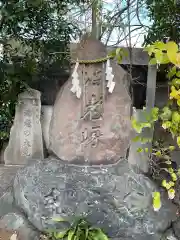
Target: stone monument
[(26, 135), (91, 118), (90, 177)]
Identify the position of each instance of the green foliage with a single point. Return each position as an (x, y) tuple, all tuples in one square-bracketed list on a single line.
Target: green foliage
[(30, 32), (118, 54), (165, 15), (150, 118), (161, 166), (79, 230)]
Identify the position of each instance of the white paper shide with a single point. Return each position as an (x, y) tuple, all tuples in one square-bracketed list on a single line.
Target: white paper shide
[(75, 82), (109, 77)]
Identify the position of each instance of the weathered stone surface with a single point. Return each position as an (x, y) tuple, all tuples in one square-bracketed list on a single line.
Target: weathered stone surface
[(169, 235), (14, 221), (26, 135), (45, 122), (7, 175), (112, 197), (95, 128), (176, 228)]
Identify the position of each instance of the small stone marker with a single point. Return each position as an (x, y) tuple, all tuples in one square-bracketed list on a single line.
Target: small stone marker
[(91, 117), (26, 135)]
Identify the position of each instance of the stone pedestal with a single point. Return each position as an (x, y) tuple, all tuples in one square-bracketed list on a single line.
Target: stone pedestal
[(112, 197)]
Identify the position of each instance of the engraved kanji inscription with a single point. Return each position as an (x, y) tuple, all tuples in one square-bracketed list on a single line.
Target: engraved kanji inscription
[(26, 142), (93, 92), (91, 136)]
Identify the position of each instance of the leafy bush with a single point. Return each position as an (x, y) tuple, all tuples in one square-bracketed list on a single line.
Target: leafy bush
[(78, 230), (161, 164)]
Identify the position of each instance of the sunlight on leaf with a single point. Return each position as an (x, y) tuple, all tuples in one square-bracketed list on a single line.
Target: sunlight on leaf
[(171, 193), (70, 235), (156, 201), (171, 148), (178, 141), (174, 177)]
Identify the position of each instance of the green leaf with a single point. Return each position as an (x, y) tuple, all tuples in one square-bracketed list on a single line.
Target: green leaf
[(160, 45), (166, 114), (112, 53), (146, 150), (139, 150), (99, 234), (164, 59), (145, 140), (146, 125), (172, 46), (172, 49), (155, 114), (174, 177), (158, 56), (178, 74), (70, 235), (118, 51), (175, 117), (166, 124), (171, 148), (153, 61), (178, 172), (60, 235), (156, 201), (178, 102), (136, 125), (172, 72), (86, 233), (178, 141), (149, 49), (136, 139), (158, 154)]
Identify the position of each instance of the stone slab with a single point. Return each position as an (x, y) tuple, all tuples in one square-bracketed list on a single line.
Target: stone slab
[(103, 140), (114, 198)]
